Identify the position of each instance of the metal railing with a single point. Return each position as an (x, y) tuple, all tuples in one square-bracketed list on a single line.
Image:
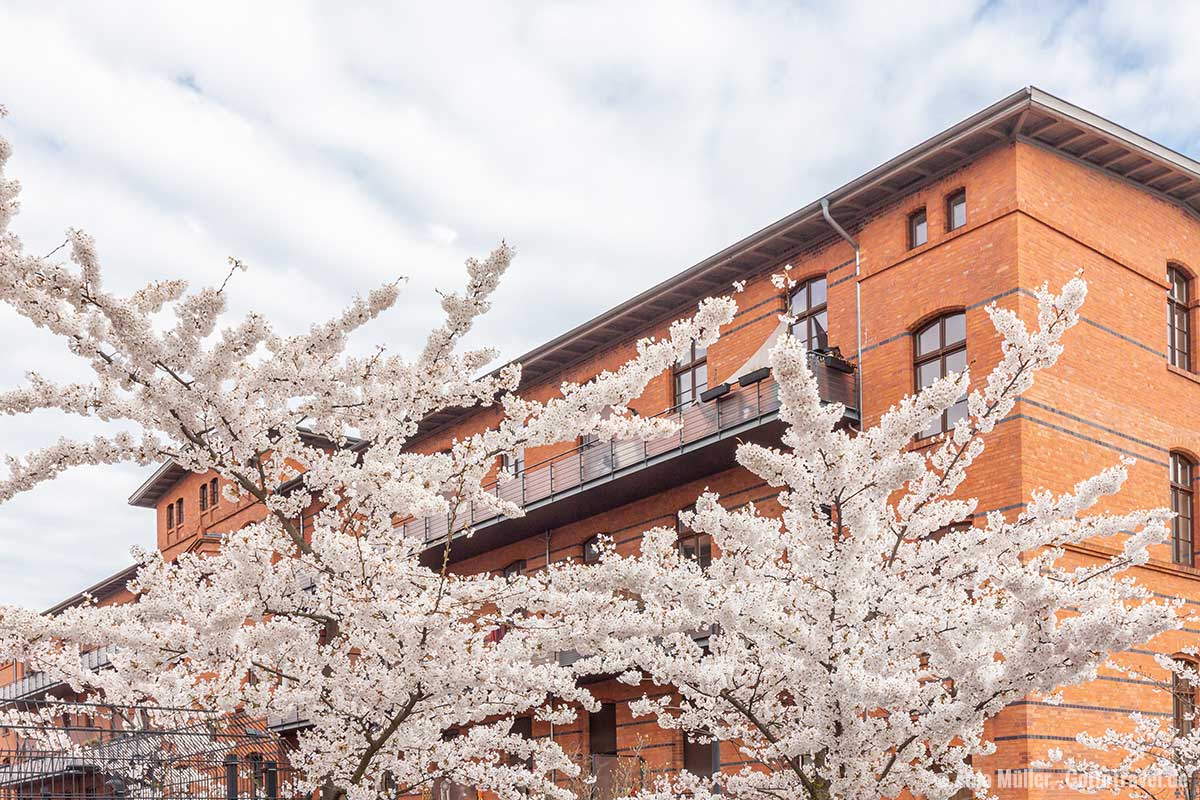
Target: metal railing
[(34, 682), (740, 408)]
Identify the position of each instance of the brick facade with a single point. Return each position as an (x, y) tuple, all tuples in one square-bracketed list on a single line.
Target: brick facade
[(1034, 216)]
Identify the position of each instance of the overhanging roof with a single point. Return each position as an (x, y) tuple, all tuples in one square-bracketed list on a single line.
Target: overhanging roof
[(1029, 115)]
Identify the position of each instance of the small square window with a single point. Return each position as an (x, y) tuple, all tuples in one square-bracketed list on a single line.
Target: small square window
[(918, 230), (956, 210)]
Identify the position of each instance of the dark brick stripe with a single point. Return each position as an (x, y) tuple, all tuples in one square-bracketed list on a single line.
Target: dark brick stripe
[(1084, 437), (1076, 418)]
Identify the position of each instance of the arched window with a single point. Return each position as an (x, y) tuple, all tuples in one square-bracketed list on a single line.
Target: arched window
[(212, 492), (808, 309), (940, 348), (1179, 323), (514, 570), (1183, 699), (204, 497), (1183, 526)]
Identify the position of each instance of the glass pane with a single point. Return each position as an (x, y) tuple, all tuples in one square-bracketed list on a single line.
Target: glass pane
[(955, 413), (701, 373), (817, 291), (920, 233), (818, 337), (929, 340), (958, 211), (932, 430), (956, 361), (928, 373), (956, 328), (698, 352)]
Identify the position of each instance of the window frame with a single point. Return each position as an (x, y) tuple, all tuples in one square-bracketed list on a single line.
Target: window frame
[(810, 312), (713, 756), (1183, 700), (178, 512), (939, 354), (1183, 503), (591, 549), (1179, 317), (514, 464), (684, 534), (203, 497), (953, 199), (171, 515), (213, 493), (913, 216), (689, 370), (513, 570)]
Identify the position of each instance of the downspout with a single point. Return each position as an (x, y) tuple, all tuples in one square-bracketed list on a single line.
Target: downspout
[(833, 223)]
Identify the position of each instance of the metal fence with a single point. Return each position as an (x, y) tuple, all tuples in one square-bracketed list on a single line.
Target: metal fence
[(55, 750), (594, 462)]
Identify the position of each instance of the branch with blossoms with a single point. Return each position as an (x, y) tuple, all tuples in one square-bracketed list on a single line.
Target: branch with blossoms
[(389, 663), (855, 644), (1153, 758)]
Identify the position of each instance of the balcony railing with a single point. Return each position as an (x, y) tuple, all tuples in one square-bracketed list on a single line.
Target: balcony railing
[(36, 682), (740, 407)]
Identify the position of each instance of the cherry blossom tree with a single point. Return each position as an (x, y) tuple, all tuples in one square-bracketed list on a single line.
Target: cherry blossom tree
[(336, 621), (855, 645), (1151, 758)]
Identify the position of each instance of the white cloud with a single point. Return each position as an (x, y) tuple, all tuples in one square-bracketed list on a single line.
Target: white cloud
[(335, 148)]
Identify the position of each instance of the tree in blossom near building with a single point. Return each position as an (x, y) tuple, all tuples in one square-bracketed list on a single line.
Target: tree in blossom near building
[(392, 664), (1152, 758), (855, 647)]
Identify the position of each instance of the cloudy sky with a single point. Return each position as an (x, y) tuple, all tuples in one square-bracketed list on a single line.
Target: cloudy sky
[(613, 144)]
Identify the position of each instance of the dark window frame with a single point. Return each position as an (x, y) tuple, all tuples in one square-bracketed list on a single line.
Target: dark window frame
[(602, 731), (212, 493), (179, 512), (1183, 503), (591, 550), (953, 199), (513, 570), (204, 496), (915, 218), (171, 515), (939, 354), (706, 756), (808, 315), (1183, 700), (685, 387), (1179, 317), (698, 541), (515, 464)]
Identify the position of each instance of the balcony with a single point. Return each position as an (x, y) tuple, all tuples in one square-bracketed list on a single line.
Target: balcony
[(35, 683), (598, 476)]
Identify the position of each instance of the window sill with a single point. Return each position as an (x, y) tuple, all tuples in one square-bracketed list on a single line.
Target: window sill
[(1183, 373)]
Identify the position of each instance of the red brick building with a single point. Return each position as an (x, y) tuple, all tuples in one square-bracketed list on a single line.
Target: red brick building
[(894, 269)]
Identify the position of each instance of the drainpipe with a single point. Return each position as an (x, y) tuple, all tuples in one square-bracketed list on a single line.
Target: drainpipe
[(833, 223)]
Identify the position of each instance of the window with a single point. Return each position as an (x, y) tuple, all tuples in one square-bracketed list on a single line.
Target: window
[(591, 550), (1179, 327), (693, 545), (514, 570), (1183, 471), (956, 210), (179, 511), (212, 492), (514, 463), (940, 349), (602, 731), (691, 375), (700, 758), (918, 230), (204, 497), (171, 515), (1183, 699), (808, 308)]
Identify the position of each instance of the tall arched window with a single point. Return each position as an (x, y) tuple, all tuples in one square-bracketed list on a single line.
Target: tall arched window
[(1183, 526), (1183, 699), (808, 308), (1179, 323), (939, 349)]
